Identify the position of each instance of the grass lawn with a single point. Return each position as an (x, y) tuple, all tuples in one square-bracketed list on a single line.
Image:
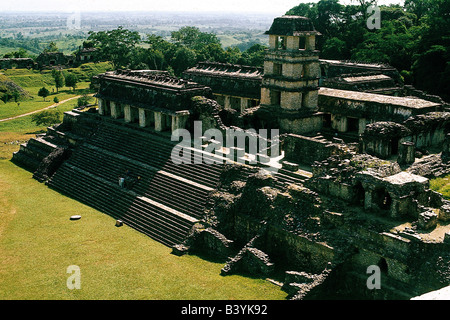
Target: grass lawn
[(21, 129), (38, 241), (441, 185), (10, 109)]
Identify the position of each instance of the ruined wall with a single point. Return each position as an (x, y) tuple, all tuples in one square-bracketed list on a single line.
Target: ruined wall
[(335, 68), (383, 139), (227, 79), (149, 91), (53, 59), (307, 150), (19, 63), (429, 129), (373, 107)]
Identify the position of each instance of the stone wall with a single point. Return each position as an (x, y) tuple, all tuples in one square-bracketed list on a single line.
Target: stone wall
[(18, 63), (373, 107), (384, 139), (157, 92), (227, 79), (307, 150)]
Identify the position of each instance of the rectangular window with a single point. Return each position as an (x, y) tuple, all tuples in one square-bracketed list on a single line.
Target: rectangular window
[(277, 69), (275, 97), (281, 43), (302, 45)]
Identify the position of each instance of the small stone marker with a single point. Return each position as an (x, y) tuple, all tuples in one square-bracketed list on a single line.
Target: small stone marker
[(75, 217)]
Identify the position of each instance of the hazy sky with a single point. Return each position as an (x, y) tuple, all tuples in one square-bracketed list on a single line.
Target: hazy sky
[(269, 6)]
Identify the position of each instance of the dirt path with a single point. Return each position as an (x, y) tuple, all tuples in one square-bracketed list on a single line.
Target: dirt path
[(52, 106)]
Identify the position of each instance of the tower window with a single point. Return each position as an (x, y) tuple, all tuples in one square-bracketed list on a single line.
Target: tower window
[(302, 44), (281, 43), (277, 69), (275, 97)]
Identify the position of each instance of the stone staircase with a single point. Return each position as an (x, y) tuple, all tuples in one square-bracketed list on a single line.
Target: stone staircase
[(34, 151), (164, 203)]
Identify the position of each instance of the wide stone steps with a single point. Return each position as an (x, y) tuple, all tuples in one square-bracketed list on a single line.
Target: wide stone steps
[(164, 203), (155, 153), (169, 190), (33, 152), (162, 224)]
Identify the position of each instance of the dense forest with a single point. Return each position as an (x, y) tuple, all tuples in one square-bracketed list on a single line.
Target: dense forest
[(414, 38)]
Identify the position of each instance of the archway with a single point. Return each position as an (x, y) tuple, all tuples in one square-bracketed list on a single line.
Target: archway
[(383, 265), (382, 199), (359, 194)]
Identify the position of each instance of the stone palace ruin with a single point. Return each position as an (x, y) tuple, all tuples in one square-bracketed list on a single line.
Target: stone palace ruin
[(349, 190)]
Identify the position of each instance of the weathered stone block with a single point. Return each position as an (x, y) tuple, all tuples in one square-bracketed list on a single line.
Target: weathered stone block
[(427, 220), (447, 237), (290, 166), (249, 260), (444, 212)]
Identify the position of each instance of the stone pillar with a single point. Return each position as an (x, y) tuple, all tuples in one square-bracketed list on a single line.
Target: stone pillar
[(368, 198), (127, 113), (268, 67), (273, 41), (179, 120), (227, 103), (175, 123), (244, 104), (158, 121), (115, 110), (310, 100), (101, 106), (310, 42), (362, 125), (406, 153), (142, 118), (265, 96), (292, 100), (339, 123), (293, 43)]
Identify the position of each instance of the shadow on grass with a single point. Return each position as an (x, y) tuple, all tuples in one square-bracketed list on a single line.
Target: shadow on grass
[(37, 131)]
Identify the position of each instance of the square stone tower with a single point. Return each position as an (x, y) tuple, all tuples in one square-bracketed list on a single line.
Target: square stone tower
[(290, 84)]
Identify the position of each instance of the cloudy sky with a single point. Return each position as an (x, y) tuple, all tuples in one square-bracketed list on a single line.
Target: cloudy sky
[(273, 6)]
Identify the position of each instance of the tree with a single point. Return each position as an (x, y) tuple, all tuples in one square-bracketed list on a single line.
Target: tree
[(46, 118), (16, 96), (193, 38), (115, 45), (55, 100), (51, 48), (418, 7), (184, 58), (334, 48), (71, 80), (43, 92), (21, 53), (83, 100), (59, 79)]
